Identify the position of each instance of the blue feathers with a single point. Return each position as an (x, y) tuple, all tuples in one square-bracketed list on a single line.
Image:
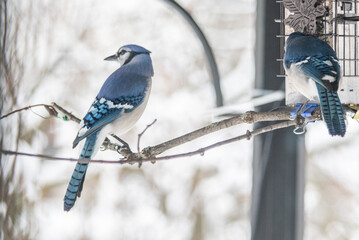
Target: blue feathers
[(75, 185), (325, 70), (332, 111), (78, 176), (135, 48), (103, 111), (102, 107)]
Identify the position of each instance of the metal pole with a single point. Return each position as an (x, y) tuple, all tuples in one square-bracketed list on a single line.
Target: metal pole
[(279, 157)]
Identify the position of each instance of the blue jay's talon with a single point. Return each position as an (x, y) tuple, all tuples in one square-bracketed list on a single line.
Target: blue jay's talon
[(105, 145), (119, 104), (299, 113), (294, 112), (125, 147), (305, 110), (120, 140), (313, 68), (124, 150), (300, 126)]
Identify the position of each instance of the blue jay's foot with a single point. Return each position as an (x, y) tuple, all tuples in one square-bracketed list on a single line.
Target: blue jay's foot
[(125, 148), (300, 125), (300, 112)]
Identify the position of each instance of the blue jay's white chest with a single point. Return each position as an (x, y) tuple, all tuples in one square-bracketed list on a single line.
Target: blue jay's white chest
[(297, 81)]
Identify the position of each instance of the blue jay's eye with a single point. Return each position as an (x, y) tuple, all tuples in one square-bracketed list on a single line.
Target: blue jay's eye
[(122, 53)]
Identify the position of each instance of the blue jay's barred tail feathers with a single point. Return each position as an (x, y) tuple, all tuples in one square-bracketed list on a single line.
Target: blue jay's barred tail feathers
[(332, 111), (78, 176)]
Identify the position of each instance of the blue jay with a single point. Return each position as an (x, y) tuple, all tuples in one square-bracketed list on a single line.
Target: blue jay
[(119, 104), (312, 64)]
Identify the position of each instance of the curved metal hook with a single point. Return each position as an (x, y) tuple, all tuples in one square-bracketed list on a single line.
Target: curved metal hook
[(207, 48), (300, 129)]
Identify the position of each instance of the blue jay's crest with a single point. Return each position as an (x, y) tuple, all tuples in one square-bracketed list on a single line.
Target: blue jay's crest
[(134, 48), (118, 105), (310, 60)]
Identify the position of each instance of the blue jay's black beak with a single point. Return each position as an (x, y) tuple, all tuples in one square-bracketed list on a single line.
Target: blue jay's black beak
[(111, 58)]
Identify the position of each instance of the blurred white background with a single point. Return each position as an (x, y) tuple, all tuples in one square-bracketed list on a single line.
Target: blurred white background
[(60, 47)]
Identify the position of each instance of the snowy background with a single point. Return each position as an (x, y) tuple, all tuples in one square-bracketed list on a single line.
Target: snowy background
[(61, 47)]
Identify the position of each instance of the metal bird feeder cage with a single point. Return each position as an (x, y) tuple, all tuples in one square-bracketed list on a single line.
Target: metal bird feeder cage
[(337, 23)]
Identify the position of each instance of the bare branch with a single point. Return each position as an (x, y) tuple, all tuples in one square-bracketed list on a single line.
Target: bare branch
[(26, 108), (151, 153), (52, 109), (248, 117), (6, 152), (139, 158), (249, 134)]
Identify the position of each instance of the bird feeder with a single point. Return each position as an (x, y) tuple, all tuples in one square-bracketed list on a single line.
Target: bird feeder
[(333, 21)]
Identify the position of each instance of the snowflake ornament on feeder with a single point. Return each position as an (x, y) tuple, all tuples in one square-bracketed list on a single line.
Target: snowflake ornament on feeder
[(304, 15)]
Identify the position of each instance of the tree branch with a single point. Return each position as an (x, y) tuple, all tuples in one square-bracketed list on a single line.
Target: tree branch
[(151, 153), (248, 117), (25, 108), (139, 157), (52, 109)]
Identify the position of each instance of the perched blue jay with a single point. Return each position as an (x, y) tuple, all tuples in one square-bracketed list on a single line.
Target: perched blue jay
[(119, 104), (312, 64)]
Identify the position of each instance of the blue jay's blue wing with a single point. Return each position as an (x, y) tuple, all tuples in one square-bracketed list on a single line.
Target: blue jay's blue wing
[(103, 111), (324, 70)]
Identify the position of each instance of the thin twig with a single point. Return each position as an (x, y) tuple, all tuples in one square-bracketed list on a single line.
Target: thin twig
[(139, 139), (51, 109), (24, 108), (6, 152), (37, 114), (140, 134)]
